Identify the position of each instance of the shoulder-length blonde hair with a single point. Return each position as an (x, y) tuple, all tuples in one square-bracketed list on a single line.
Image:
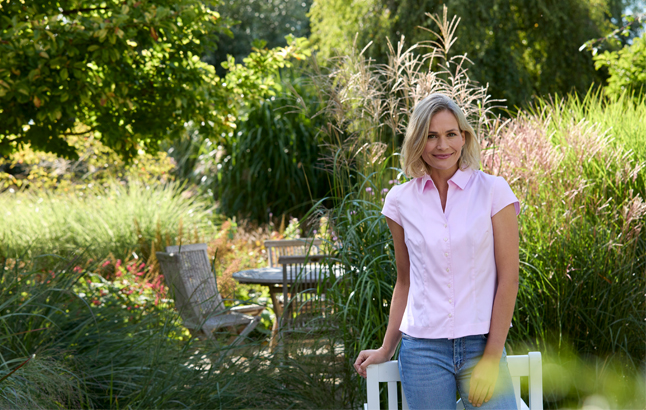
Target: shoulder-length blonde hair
[(417, 133)]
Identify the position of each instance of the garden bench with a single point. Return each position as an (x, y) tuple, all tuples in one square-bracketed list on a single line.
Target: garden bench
[(188, 273), (529, 365)]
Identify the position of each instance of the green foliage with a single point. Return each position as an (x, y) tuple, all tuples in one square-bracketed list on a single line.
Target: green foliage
[(101, 221), (197, 155), (97, 165), (518, 48), (118, 354), (627, 68), (582, 254), (270, 164), (253, 20), (129, 70), (581, 186)]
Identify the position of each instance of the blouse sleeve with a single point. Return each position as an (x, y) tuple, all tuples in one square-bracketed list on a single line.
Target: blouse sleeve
[(390, 209), (503, 196)]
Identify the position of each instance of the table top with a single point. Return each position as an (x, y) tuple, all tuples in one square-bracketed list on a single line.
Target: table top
[(271, 276)]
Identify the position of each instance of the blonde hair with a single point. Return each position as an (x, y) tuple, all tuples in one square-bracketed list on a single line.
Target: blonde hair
[(417, 133)]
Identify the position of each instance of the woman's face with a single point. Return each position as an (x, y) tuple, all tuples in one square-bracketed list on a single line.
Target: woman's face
[(444, 143)]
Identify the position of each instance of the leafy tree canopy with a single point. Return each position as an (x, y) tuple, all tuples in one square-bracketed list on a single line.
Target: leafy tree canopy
[(519, 48), (267, 20), (130, 70), (627, 67)]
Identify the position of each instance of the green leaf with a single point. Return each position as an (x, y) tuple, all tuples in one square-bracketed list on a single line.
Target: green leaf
[(64, 74)]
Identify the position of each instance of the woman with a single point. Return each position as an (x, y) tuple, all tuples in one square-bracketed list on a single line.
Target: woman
[(455, 236)]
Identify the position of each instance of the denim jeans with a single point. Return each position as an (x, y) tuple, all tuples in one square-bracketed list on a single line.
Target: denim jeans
[(432, 370)]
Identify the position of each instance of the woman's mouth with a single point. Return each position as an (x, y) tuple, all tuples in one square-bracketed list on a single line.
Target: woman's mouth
[(445, 156)]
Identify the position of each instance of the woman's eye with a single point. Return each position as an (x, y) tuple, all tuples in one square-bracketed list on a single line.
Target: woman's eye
[(432, 136), (453, 134)]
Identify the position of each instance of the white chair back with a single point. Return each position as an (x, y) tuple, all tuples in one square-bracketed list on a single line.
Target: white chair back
[(528, 365)]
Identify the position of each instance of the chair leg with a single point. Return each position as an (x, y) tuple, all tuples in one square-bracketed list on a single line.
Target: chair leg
[(251, 326)]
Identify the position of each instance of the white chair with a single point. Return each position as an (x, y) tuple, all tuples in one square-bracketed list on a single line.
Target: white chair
[(528, 365)]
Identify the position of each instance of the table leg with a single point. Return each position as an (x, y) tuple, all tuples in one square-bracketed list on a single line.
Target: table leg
[(278, 311)]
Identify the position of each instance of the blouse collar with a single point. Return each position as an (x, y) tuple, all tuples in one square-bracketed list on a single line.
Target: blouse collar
[(460, 178)]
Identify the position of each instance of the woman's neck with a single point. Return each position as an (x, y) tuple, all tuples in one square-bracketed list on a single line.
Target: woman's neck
[(441, 177)]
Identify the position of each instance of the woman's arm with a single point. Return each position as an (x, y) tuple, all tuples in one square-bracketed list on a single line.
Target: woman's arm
[(397, 305), (506, 243)]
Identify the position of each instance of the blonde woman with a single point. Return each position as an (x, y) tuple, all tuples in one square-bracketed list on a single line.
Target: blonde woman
[(455, 236)]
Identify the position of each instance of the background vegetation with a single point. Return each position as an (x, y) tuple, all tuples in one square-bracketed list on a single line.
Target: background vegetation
[(286, 127)]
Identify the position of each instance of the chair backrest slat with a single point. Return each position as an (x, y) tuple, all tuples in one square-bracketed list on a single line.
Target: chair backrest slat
[(392, 396)]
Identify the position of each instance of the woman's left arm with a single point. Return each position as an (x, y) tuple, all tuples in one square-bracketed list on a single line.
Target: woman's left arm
[(506, 243)]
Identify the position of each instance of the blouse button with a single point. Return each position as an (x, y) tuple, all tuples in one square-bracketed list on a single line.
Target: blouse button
[(450, 300), (449, 285), (450, 315), (447, 269), (445, 225), (446, 254), (446, 239)]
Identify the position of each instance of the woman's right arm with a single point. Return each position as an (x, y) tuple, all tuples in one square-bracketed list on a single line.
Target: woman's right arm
[(397, 305)]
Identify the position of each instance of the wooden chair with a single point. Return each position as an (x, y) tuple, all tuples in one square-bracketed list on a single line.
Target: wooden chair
[(529, 365), (188, 273), (305, 279), (291, 247)]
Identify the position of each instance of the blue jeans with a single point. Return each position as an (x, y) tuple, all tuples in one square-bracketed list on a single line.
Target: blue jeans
[(432, 370)]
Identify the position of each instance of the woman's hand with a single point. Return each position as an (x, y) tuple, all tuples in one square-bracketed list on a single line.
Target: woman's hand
[(483, 380), (368, 357)]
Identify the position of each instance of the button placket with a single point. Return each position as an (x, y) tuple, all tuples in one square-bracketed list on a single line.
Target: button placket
[(447, 252)]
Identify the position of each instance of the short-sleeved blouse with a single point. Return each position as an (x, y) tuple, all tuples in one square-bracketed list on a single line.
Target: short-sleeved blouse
[(452, 265)]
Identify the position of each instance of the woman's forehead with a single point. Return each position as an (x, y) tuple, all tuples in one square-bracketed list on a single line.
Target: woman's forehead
[(443, 120)]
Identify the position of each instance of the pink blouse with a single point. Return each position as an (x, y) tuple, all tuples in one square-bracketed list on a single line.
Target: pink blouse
[(452, 264)]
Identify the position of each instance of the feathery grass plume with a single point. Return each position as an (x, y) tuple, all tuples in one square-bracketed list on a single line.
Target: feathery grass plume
[(368, 104), (582, 242)]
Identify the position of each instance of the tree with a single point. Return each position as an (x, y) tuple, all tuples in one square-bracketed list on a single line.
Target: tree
[(627, 68), (268, 20), (519, 48), (129, 70)]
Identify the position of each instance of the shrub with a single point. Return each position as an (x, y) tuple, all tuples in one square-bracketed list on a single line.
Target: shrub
[(627, 67), (270, 164)]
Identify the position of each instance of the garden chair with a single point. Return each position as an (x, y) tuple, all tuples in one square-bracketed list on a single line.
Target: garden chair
[(305, 281), (188, 272), (529, 365), (290, 247)]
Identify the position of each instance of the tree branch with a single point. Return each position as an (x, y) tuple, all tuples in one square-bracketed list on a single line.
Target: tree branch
[(79, 133), (75, 11)]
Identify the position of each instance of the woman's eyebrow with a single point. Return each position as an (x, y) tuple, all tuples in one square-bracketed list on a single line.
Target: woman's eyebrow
[(451, 130)]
